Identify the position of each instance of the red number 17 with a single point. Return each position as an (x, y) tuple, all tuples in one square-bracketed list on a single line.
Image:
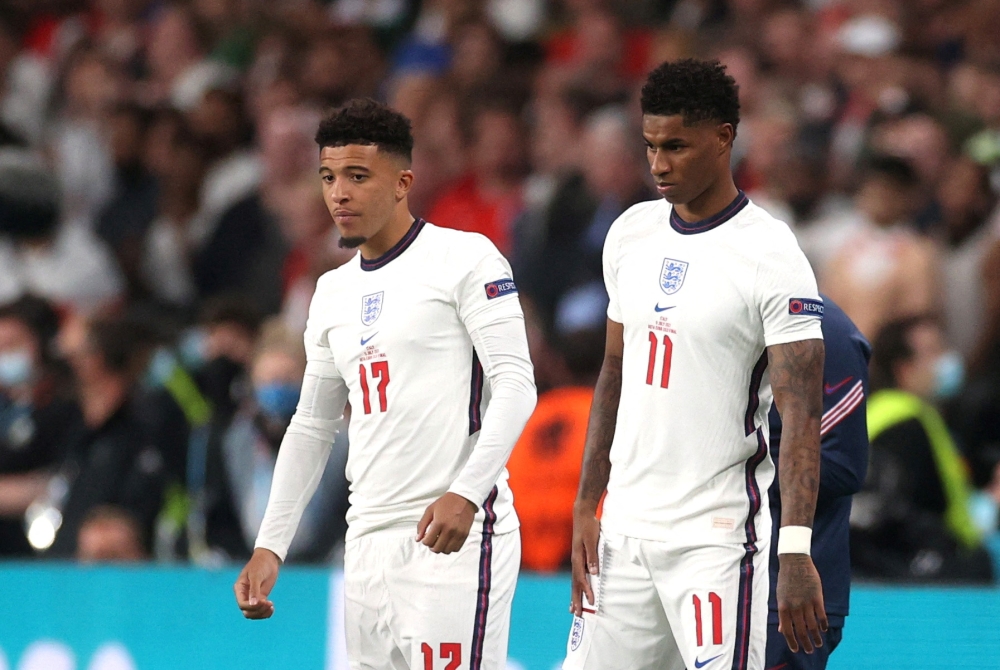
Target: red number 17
[(380, 370)]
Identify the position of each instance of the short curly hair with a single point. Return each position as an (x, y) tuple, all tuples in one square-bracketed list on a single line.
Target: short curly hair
[(365, 121), (697, 90)]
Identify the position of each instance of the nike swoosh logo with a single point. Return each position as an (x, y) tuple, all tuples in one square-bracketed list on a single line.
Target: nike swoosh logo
[(366, 341), (702, 664), (833, 389), (662, 309)]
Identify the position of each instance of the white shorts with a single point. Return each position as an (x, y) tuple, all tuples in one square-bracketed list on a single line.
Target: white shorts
[(406, 608), (667, 607)]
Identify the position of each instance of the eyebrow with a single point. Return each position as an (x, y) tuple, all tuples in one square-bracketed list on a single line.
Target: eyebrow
[(361, 168)]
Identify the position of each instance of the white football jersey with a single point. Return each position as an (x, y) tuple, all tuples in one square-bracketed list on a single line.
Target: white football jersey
[(699, 303), (396, 332)]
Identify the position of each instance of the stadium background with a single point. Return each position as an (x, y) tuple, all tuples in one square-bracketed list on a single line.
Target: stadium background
[(158, 193)]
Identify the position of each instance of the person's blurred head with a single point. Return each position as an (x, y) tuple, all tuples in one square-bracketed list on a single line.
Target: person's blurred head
[(110, 534), (28, 327), (30, 197), (611, 161), (965, 196), (887, 192), (230, 324), (366, 150), (278, 367), (176, 42), (555, 135), (496, 147), (579, 330), (220, 123), (477, 53), (107, 356), (286, 144), (690, 110), (127, 135), (917, 139), (912, 355), (91, 84), (785, 40)]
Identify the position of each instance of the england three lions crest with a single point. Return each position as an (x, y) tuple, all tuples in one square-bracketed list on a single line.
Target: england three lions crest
[(371, 307), (672, 275)]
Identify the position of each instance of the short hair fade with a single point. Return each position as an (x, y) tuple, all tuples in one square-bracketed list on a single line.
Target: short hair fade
[(367, 122), (698, 90)]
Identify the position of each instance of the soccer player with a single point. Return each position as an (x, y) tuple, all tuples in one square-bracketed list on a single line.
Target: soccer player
[(844, 461), (422, 333), (713, 308)]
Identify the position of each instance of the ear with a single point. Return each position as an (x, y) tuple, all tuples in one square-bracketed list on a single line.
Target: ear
[(725, 133), (404, 181)]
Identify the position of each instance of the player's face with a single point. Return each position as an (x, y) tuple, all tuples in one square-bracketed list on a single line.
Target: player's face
[(685, 160), (361, 188)]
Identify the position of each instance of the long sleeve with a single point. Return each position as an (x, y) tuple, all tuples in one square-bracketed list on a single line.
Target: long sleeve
[(502, 348), (302, 457), (306, 446)]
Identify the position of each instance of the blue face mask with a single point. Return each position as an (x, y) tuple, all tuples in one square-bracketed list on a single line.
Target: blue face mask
[(193, 348), (161, 367), (949, 374), (278, 400), (15, 368)]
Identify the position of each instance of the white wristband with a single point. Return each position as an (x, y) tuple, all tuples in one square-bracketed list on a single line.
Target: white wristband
[(794, 540)]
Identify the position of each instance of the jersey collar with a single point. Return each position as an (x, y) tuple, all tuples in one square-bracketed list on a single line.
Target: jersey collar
[(731, 210), (397, 249)]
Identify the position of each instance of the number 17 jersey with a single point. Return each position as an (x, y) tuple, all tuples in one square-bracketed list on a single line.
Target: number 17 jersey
[(699, 303)]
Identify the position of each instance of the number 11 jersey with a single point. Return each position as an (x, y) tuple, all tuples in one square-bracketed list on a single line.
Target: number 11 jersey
[(699, 302)]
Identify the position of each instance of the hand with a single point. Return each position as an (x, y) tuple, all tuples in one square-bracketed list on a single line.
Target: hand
[(446, 523), (801, 613), (255, 583), (586, 531)]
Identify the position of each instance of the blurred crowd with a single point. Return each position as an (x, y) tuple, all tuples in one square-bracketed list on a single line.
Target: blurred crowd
[(162, 229)]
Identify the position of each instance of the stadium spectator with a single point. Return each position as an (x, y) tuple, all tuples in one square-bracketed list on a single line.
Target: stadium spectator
[(545, 464), (248, 449), (488, 197), (911, 521), (569, 230), (881, 270), (37, 414), (110, 533), (110, 458)]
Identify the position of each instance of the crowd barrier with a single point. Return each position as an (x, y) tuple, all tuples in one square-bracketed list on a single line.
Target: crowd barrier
[(65, 617)]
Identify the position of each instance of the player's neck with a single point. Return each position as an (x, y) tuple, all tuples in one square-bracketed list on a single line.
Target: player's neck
[(384, 240), (715, 198)]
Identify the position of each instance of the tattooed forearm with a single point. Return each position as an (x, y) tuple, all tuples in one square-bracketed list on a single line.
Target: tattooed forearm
[(797, 381), (600, 433)]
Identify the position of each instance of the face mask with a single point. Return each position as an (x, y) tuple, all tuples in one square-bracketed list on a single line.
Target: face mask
[(278, 400), (15, 368), (193, 349), (949, 373), (161, 368)]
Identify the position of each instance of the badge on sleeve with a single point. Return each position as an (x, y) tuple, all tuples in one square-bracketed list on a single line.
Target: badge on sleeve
[(805, 307), (500, 288)]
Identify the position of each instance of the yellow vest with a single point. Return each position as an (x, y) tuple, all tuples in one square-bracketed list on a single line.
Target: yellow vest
[(890, 407)]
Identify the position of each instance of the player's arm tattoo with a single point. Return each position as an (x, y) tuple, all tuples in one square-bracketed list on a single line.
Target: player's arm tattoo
[(797, 381), (601, 427)]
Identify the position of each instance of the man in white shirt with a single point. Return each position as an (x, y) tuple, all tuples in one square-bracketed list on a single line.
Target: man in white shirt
[(712, 307), (422, 334)]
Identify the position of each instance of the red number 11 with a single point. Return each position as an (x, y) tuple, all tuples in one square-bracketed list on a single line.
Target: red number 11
[(668, 354), (716, 602)]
